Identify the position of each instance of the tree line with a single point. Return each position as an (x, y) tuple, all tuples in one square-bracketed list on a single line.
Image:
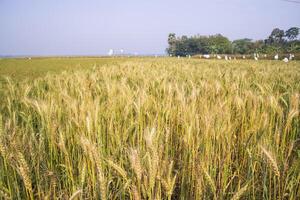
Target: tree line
[(279, 41)]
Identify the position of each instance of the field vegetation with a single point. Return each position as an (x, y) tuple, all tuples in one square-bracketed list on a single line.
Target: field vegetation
[(151, 129), (30, 68)]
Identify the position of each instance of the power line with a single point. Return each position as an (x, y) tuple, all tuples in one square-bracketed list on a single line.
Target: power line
[(291, 1)]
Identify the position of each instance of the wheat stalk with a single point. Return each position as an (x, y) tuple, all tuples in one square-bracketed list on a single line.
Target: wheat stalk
[(2, 145), (91, 151)]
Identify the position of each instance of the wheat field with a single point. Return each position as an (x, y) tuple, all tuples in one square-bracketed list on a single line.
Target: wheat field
[(153, 129)]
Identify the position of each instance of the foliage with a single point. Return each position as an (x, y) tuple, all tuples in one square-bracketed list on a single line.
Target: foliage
[(292, 33), (198, 44), (279, 41), (242, 46)]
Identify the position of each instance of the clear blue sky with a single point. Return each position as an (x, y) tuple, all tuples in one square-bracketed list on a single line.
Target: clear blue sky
[(91, 27)]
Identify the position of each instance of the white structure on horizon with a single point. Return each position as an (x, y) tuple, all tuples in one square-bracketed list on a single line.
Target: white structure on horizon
[(291, 56), (189, 56), (219, 57), (276, 57), (226, 58), (286, 60), (244, 57), (255, 58), (110, 52), (206, 56)]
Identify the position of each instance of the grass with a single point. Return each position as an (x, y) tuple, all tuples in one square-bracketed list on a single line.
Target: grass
[(152, 129)]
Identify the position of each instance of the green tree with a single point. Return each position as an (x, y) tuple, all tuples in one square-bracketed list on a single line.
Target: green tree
[(218, 44), (181, 47), (277, 36), (257, 46), (278, 41), (292, 33), (293, 46), (172, 43), (202, 45), (242, 46)]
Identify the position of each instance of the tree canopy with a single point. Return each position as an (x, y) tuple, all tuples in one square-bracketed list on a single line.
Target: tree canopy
[(279, 41)]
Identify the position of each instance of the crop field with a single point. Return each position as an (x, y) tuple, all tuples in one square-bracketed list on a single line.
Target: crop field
[(146, 128), (23, 68)]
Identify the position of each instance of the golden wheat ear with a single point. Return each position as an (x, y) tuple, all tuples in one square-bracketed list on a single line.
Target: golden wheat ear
[(240, 193), (136, 163), (209, 180), (24, 172), (75, 195), (4, 194), (271, 160), (2, 145)]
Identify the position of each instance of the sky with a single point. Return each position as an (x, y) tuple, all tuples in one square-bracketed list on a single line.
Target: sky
[(93, 27)]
